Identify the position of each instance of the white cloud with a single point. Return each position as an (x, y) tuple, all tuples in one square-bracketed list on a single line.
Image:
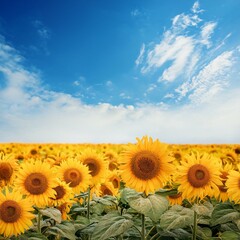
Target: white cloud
[(196, 8), (182, 21), (212, 79), (140, 56), (180, 49), (135, 12), (109, 84), (206, 32)]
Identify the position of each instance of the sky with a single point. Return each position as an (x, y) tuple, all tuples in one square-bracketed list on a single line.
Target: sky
[(109, 71)]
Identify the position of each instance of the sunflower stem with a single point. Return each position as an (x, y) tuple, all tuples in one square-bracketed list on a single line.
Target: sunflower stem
[(194, 236), (149, 232), (143, 226), (88, 203), (39, 222)]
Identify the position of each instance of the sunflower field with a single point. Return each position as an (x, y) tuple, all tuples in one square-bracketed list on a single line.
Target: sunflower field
[(144, 190)]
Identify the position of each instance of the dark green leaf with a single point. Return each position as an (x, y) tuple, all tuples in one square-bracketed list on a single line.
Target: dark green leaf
[(152, 206), (229, 235), (177, 217), (65, 229), (53, 213), (223, 213)]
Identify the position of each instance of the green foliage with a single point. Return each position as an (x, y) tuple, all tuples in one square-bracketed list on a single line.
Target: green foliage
[(177, 217), (111, 225), (223, 213)]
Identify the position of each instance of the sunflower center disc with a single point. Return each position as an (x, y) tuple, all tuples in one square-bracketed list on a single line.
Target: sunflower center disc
[(115, 183), (145, 165), (175, 196), (198, 175), (36, 183), (60, 192), (223, 176), (72, 176), (106, 191), (6, 171), (93, 166), (10, 211)]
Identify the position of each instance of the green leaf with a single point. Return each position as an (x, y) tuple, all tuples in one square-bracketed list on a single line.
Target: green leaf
[(117, 228), (112, 225), (152, 206), (177, 217), (106, 200), (229, 235), (223, 213), (35, 236), (204, 233), (204, 209), (126, 194), (65, 229), (53, 213)]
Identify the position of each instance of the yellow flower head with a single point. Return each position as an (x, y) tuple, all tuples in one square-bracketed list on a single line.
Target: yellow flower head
[(36, 180), (8, 168), (76, 174), (199, 176), (233, 184), (15, 213), (96, 163), (146, 166)]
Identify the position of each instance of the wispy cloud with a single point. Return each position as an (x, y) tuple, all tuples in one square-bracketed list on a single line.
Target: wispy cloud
[(188, 56), (44, 34), (42, 30), (176, 47), (209, 81), (135, 12), (140, 56)]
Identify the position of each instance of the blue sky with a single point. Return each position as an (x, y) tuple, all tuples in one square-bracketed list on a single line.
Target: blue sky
[(111, 71)]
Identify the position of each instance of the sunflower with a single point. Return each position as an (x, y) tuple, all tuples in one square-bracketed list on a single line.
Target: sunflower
[(8, 168), (64, 194), (15, 213), (114, 178), (111, 157), (37, 180), (199, 176), (108, 189), (233, 184), (75, 173), (65, 209), (175, 198), (223, 195), (146, 165), (96, 163)]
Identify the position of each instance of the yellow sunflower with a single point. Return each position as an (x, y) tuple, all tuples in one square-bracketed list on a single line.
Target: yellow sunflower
[(114, 178), (233, 185), (65, 209), (96, 163), (199, 176), (175, 198), (223, 195), (37, 180), (111, 157), (108, 189), (146, 166), (15, 213), (64, 194), (8, 168), (75, 173)]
